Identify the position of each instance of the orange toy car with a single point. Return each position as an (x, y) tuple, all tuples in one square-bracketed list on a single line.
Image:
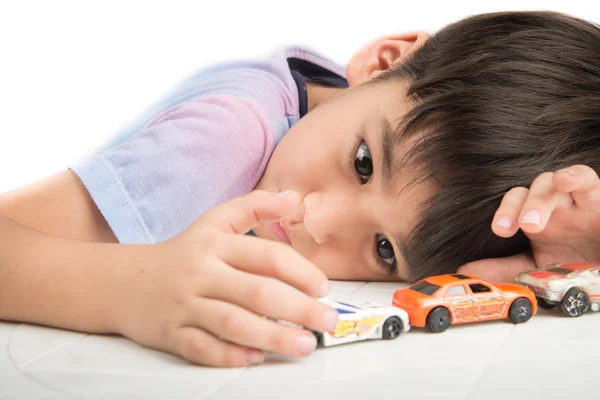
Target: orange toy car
[(439, 301)]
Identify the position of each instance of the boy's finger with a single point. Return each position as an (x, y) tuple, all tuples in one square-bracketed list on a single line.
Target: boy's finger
[(238, 325), (583, 184), (505, 222), (273, 259), (200, 347), (244, 213), (270, 298), (499, 269), (541, 201)]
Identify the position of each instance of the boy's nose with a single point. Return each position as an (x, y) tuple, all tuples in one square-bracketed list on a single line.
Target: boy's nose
[(325, 214)]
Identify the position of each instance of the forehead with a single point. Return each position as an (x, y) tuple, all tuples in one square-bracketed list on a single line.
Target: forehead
[(403, 176), (381, 97), (402, 195)]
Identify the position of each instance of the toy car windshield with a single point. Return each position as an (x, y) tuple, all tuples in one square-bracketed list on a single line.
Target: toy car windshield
[(425, 287), (560, 270)]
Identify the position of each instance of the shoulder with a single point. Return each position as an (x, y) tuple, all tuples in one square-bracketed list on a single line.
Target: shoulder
[(225, 110), (216, 125), (267, 82)]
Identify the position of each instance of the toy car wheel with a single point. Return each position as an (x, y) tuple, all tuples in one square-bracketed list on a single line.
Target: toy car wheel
[(319, 337), (543, 303), (438, 320), (520, 311), (392, 328), (575, 303)]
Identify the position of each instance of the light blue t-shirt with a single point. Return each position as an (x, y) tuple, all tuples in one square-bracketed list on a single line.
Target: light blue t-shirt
[(206, 142)]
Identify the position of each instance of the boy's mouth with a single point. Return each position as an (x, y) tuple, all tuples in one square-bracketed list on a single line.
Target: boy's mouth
[(280, 233)]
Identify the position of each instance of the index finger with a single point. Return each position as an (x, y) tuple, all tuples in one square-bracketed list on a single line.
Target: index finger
[(273, 259), (244, 213)]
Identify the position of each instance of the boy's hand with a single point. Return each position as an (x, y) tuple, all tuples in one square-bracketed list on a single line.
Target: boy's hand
[(560, 214), (208, 295)]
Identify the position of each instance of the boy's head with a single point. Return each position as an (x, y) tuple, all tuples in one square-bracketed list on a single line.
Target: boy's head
[(410, 164)]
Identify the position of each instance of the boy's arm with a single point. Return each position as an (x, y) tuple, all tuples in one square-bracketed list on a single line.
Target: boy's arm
[(48, 273), (59, 205), (199, 295), (61, 282)]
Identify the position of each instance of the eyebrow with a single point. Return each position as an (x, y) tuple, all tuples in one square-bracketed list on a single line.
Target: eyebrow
[(386, 149), (386, 146)]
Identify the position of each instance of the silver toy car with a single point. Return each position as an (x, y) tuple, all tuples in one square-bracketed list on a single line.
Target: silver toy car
[(575, 287)]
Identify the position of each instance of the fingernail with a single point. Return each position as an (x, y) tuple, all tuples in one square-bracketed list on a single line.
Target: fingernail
[(306, 344), (330, 320), (324, 291), (255, 357), (504, 222), (287, 193), (569, 171), (532, 217)]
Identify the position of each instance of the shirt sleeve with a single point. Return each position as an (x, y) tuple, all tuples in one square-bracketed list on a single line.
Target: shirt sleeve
[(187, 160)]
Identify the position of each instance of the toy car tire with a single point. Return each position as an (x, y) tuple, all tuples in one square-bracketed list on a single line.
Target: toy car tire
[(545, 304), (575, 303), (520, 311), (392, 328), (438, 320), (319, 337)]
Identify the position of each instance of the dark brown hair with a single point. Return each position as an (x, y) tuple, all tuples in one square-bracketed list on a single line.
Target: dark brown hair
[(499, 98)]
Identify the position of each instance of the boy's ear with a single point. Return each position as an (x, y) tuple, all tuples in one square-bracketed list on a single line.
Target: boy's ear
[(381, 54)]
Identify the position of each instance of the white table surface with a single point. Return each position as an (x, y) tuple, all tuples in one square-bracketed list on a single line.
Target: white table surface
[(549, 357)]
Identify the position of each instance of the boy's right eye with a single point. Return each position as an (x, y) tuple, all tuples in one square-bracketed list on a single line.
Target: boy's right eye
[(363, 163)]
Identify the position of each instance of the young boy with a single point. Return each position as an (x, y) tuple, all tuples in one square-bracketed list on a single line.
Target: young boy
[(398, 176)]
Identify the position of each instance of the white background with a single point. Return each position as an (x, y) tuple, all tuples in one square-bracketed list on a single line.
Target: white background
[(72, 72)]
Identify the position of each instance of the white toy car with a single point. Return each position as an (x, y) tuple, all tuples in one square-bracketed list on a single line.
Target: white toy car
[(369, 321), (574, 287)]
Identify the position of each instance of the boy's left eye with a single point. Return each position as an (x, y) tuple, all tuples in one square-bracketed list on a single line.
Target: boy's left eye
[(363, 163)]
